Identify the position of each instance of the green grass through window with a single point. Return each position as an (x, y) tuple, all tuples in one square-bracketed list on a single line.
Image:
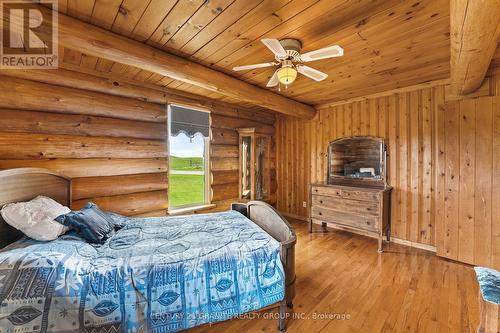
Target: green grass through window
[(186, 163), (185, 189)]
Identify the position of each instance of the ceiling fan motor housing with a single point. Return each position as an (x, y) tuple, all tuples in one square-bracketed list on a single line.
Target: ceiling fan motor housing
[(289, 62), (292, 47)]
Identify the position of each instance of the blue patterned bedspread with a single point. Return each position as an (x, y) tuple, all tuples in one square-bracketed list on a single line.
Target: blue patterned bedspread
[(154, 275)]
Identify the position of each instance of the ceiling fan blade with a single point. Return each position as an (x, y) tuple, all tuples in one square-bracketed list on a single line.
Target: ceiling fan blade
[(324, 53), (247, 67), (275, 46), (273, 82), (311, 73)]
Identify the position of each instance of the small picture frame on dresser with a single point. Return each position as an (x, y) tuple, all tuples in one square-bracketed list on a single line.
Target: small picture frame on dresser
[(355, 196)]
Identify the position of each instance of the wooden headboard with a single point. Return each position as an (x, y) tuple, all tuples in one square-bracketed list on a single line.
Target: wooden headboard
[(24, 184)]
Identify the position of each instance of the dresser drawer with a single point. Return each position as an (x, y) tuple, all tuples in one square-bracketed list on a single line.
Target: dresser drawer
[(353, 207), (340, 204), (352, 194), (369, 223), (359, 195), (327, 190)]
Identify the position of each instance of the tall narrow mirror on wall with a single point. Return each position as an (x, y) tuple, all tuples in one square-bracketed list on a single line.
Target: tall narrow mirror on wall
[(189, 178), (261, 167), (246, 169), (254, 169)]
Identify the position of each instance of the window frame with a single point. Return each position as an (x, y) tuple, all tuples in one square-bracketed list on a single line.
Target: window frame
[(206, 167)]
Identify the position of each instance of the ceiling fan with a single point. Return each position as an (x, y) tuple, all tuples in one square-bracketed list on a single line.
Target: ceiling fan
[(289, 61)]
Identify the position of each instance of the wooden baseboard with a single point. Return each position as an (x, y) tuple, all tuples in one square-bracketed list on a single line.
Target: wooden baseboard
[(426, 247), (395, 240), (295, 217)]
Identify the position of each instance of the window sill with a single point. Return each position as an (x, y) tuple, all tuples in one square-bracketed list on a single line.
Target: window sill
[(190, 210)]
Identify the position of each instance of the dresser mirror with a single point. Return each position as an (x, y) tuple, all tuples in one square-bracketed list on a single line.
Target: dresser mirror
[(356, 196), (357, 159)]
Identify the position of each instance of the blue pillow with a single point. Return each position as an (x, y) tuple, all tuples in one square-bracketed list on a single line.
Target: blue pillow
[(90, 222)]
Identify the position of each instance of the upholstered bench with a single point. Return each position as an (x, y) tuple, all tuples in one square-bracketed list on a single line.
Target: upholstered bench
[(489, 299)]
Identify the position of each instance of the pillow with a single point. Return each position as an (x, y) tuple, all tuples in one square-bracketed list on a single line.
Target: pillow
[(90, 222), (35, 218)]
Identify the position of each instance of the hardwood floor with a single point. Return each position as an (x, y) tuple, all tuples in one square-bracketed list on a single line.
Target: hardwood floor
[(400, 290)]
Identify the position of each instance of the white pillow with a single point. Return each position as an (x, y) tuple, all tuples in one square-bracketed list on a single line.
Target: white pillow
[(35, 218)]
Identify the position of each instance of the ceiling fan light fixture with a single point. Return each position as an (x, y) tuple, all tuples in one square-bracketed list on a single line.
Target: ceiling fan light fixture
[(287, 73), (290, 62)]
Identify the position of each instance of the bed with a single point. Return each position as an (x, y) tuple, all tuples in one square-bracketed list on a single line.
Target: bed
[(153, 275)]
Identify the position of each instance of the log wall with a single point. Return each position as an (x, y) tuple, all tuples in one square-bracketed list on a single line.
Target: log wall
[(113, 145), (407, 120)]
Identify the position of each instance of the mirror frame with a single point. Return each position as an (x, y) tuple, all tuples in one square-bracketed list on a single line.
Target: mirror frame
[(383, 161)]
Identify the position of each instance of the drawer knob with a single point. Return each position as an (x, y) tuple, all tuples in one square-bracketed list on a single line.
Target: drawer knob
[(321, 201), (320, 213), (367, 222)]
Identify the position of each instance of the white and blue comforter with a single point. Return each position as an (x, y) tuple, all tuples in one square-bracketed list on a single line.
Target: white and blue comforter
[(154, 275)]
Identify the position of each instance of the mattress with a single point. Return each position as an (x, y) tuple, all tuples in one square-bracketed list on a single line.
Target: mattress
[(154, 275)]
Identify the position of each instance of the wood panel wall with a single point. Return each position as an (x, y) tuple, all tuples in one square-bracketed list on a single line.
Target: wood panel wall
[(468, 186), (114, 147), (406, 120)]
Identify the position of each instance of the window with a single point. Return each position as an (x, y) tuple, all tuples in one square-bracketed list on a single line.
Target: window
[(189, 149)]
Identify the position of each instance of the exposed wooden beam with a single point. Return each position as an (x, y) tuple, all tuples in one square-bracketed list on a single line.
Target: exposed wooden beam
[(92, 40), (108, 85), (475, 31), (22, 94)]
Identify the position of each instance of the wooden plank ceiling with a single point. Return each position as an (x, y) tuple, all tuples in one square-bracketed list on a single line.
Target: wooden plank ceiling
[(388, 43)]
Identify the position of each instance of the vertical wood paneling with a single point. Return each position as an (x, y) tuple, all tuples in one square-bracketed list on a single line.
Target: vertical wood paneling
[(426, 223), (483, 179), (414, 166), (393, 161), (427, 164), (439, 174), (452, 174), (495, 180), (308, 165), (402, 225), (466, 181), (356, 119), (320, 148), (470, 227), (279, 166)]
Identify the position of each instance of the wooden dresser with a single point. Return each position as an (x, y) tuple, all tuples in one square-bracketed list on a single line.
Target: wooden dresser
[(356, 196), (359, 209)]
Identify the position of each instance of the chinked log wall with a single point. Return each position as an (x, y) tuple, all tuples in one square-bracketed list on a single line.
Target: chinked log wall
[(409, 123), (114, 147)]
